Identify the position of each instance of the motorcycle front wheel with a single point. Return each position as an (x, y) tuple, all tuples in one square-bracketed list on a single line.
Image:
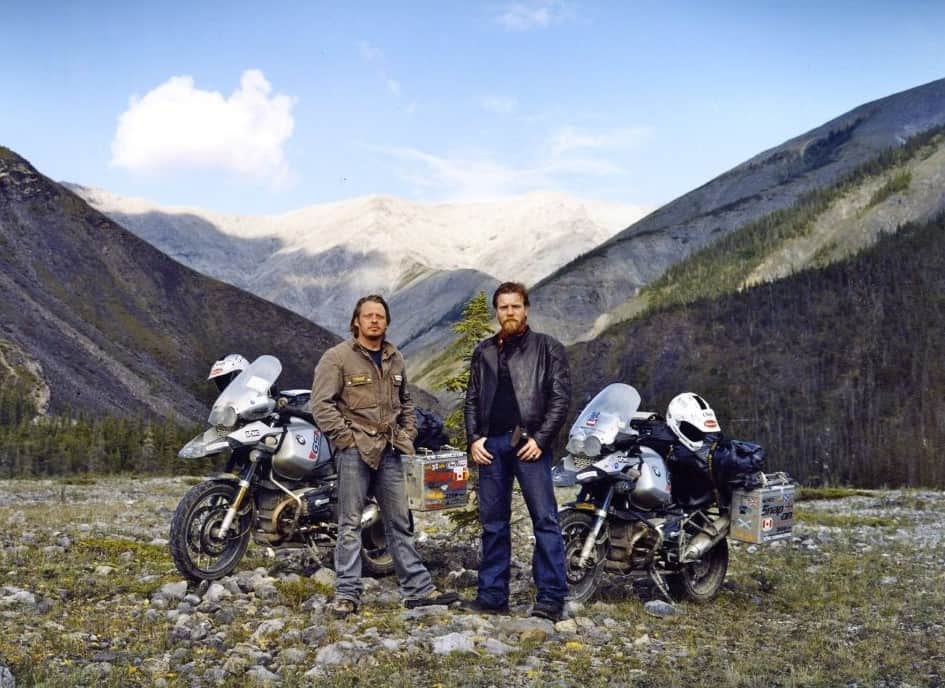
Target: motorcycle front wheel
[(582, 582), (701, 581), (197, 547)]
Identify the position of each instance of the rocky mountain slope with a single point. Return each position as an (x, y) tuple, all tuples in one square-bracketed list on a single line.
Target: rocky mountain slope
[(581, 299), (427, 259), (96, 320)]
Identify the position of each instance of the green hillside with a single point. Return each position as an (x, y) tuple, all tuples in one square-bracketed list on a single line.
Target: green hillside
[(811, 233), (838, 370)]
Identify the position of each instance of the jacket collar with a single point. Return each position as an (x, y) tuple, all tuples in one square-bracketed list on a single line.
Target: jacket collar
[(387, 349)]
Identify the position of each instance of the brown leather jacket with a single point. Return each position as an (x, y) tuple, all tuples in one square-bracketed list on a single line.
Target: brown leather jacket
[(358, 406)]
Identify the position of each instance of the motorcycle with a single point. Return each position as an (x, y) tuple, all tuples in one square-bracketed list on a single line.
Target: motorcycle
[(279, 486), (624, 519)]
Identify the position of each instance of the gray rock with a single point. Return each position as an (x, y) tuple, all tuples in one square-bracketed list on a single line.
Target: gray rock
[(216, 593), (496, 647), (514, 626), (425, 612), (215, 675), (6, 678), (263, 676), (340, 653), (292, 655), (313, 634), (173, 591), (659, 608), (567, 626), (453, 642), (267, 629)]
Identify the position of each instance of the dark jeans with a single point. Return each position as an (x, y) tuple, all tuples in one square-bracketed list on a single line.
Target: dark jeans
[(495, 513), (355, 480)]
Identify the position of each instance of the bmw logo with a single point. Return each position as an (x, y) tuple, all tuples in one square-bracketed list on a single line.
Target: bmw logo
[(300, 439)]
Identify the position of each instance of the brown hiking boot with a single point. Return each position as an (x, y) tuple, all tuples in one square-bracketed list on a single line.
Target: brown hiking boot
[(342, 607)]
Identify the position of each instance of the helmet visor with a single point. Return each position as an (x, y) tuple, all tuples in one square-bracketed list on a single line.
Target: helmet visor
[(691, 432), (221, 381)]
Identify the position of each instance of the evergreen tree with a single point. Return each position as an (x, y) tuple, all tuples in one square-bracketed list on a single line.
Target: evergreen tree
[(475, 325)]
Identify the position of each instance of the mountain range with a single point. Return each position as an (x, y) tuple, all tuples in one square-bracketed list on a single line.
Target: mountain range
[(426, 259), (94, 320)]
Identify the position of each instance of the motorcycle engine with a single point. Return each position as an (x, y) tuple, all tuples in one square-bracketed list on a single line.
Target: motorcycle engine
[(632, 547), (317, 506)]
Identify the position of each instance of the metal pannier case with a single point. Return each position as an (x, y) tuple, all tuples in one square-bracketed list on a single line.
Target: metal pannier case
[(436, 480), (764, 514)]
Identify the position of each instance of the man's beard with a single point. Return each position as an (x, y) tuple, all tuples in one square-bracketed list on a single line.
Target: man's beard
[(512, 326)]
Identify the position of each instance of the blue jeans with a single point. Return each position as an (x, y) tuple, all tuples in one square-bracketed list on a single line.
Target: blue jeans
[(495, 513), (355, 481)]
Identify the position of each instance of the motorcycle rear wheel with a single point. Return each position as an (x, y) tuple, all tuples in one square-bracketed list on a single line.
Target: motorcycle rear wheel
[(198, 551), (376, 560), (701, 581), (582, 582)]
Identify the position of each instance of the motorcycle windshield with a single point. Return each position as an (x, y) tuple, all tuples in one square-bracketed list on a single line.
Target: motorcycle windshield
[(249, 392), (607, 414)]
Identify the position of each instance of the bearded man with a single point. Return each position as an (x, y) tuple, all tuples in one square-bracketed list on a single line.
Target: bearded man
[(516, 402)]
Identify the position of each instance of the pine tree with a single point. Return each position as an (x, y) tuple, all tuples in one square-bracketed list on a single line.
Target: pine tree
[(475, 325)]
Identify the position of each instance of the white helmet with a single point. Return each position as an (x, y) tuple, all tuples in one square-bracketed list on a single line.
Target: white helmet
[(691, 419), (223, 371)]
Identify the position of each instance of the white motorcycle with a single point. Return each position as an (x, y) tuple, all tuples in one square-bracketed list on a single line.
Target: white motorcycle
[(279, 487)]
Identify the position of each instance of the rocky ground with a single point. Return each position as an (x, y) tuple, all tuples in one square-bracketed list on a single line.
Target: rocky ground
[(89, 596)]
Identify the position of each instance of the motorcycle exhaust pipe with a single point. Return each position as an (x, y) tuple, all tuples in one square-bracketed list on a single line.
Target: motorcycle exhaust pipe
[(703, 542)]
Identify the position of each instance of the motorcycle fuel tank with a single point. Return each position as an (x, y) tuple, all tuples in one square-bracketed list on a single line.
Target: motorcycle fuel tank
[(304, 448), (652, 487)]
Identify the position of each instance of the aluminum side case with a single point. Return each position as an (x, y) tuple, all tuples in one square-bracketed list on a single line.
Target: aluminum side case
[(437, 480), (764, 514)]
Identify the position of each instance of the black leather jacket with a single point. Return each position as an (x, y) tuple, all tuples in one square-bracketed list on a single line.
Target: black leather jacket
[(541, 379)]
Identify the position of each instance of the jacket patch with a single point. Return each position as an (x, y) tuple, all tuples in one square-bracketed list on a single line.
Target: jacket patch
[(359, 379), (398, 379)]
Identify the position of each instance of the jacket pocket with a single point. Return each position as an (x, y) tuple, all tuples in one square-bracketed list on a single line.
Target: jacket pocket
[(359, 391)]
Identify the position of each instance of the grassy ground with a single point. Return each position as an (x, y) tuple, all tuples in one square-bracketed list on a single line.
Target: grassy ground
[(856, 599)]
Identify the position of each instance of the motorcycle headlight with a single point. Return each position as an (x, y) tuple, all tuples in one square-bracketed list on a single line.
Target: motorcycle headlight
[(575, 445), (592, 446), (225, 416)]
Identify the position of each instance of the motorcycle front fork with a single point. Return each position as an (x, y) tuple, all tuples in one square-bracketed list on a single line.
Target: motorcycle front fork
[(599, 522), (244, 483)]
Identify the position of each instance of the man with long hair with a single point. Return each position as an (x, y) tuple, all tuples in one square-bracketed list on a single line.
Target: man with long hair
[(360, 400)]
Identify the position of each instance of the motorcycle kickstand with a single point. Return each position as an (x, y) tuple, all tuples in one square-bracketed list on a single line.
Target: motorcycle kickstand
[(657, 577)]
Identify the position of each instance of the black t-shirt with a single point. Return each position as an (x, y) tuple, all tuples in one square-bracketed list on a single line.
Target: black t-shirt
[(505, 414)]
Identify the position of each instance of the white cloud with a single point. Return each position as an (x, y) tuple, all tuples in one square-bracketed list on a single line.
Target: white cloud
[(393, 86), (499, 105), (480, 175), (178, 125), (569, 138), (538, 14)]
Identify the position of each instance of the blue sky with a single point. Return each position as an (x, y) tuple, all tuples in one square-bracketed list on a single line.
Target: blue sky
[(254, 107)]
